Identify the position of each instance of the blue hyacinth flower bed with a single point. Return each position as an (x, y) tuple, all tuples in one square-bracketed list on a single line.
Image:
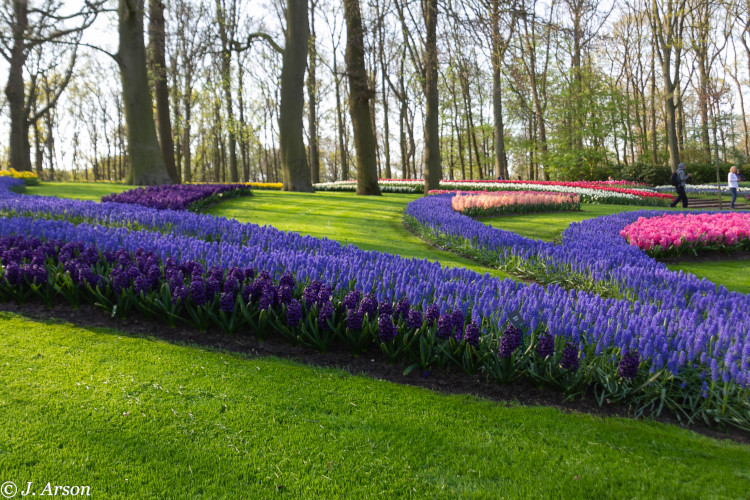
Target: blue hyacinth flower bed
[(669, 342)]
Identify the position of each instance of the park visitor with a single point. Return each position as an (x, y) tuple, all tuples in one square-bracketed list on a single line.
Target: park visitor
[(679, 181), (734, 183)]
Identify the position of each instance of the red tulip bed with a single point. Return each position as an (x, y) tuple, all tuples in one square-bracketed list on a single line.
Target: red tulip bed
[(680, 234)]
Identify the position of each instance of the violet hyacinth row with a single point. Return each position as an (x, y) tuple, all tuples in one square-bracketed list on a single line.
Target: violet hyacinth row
[(693, 329), (175, 196), (593, 248), (670, 317)]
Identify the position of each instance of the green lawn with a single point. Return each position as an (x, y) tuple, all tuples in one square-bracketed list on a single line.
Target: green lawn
[(369, 222), (78, 190), (139, 418), (549, 226), (733, 274)]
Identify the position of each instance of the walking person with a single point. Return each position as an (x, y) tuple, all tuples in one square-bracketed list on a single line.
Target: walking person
[(679, 180), (734, 183)]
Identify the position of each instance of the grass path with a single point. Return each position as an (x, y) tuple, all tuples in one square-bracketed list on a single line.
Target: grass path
[(77, 190), (137, 417), (371, 223)]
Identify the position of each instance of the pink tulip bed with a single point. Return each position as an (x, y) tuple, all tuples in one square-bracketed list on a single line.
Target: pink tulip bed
[(680, 234), (489, 203)]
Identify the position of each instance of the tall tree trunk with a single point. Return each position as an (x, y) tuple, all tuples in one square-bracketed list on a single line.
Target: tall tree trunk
[(156, 35), (468, 141), (471, 132), (177, 121), (541, 126), (433, 170), (457, 125), (671, 116), (402, 121), (187, 152), (49, 142), (746, 136), (577, 118), (667, 27), (680, 108), (501, 160), (343, 155), (372, 78), (226, 85), (312, 98), (295, 171), (242, 126), (39, 153), (359, 101), (20, 150), (654, 138), (703, 90), (386, 128), (146, 162)]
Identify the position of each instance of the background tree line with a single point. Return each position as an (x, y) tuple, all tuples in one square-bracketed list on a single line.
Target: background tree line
[(301, 91)]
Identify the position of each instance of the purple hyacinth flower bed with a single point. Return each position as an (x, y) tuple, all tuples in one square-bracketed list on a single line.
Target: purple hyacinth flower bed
[(666, 338), (178, 196)]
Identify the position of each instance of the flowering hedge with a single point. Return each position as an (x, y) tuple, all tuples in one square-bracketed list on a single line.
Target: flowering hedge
[(487, 203), (678, 234), (178, 196), (29, 178), (649, 348), (590, 192)]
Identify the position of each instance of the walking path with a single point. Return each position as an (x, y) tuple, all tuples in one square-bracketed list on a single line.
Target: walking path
[(709, 204)]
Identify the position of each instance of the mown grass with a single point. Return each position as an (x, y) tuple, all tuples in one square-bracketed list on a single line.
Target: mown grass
[(732, 274), (138, 417), (368, 222), (549, 226), (77, 190)]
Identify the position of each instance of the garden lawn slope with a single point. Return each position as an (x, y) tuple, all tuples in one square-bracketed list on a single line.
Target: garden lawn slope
[(76, 190), (368, 222), (136, 418)]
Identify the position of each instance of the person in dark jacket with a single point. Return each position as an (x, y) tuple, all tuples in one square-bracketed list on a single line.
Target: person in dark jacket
[(682, 178)]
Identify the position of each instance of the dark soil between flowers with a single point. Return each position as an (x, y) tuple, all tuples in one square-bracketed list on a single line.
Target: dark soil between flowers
[(372, 364)]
